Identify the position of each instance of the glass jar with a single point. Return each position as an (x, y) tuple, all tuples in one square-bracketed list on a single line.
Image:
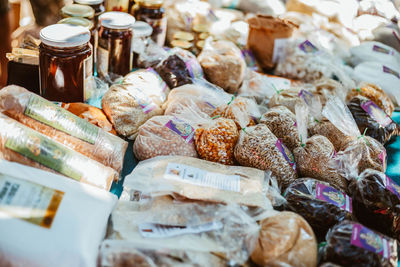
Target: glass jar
[(114, 50), (97, 5), (141, 37), (76, 10), (65, 62), (152, 12), (117, 5)]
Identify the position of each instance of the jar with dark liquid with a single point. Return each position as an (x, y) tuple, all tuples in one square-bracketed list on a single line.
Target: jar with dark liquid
[(153, 13), (114, 51), (65, 62), (97, 5)]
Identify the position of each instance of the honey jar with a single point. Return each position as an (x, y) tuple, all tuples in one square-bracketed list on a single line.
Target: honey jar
[(153, 13), (97, 5)]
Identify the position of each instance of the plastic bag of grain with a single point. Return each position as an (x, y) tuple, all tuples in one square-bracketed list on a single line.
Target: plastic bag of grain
[(374, 51)]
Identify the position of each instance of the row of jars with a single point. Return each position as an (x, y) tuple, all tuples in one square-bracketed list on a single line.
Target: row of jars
[(66, 62)]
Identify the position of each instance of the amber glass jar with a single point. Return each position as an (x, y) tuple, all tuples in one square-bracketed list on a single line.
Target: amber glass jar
[(65, 62), (114, 51), (76, 10), (152, 12), (97, 5)]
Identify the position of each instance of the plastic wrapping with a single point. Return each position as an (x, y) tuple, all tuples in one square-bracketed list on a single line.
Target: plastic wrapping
[(223, 64), (223, 230), (372, 120), (285, 239), (21, 144), (374, 93), (164, 136), (202, 180), (152, 55), (243, 111), (352, 244), (62, 126), (258, 147), (376, 200), (282, 123), (290, 97), (326, 88), (50, 213), (258, 86), (326, 128), (321, 204), (374, 51), (179, 68)]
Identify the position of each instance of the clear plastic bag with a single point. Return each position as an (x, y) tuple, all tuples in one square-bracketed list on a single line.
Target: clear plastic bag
[(352, 244), (152, 55), (259, 148), (223, 64), (326, 88), (321, 204), (291, 97), (62, 126)]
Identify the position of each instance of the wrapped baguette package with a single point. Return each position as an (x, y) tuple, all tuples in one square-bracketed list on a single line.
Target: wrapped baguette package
[(62, 126), (21, 144)]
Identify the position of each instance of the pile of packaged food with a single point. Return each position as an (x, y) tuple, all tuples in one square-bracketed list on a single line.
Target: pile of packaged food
[(259, 128)]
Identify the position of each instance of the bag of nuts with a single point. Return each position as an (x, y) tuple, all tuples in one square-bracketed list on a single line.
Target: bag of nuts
[(258, 147)]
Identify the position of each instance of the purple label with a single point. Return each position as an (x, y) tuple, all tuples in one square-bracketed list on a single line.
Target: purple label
[(306, 96), (182, 128), (254, 119), (194, 68), (308, 47), (376, 113), (333, 196), (382, 50), (390, 71), (392, 186), (382, 157), (365, 238), (250, 59), (286, 153), (212, 16)]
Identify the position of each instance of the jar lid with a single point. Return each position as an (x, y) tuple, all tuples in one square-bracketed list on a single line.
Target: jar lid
[(186, 36), (89, 2), (64, 35), (117, 20), (151, 3), (78, 22), (142, 29), (181, 44), (76, 10)]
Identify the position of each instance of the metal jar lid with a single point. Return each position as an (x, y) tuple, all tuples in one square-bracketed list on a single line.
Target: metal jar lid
[(78, 22), (89, 2), (64, 35), (141, 29), (117, 20), (76, 10)]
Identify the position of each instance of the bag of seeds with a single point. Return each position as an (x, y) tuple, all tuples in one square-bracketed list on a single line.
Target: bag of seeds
[(352, 244), (326, 88), (291, 97), (372, 120), (314, 155), (372, 153), (321, 204), (282, 123), (258, 147), (243, 111), (179, 68)]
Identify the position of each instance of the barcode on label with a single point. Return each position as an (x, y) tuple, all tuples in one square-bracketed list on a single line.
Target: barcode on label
[(196, 176), (156, 230)]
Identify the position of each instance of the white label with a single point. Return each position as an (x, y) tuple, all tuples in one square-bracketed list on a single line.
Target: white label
[(155, 230), (196, 176), (102, 61), (279, 49), (280, 83)]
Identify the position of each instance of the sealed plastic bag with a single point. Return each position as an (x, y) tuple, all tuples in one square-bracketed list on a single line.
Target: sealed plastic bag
[(372, 120), (223, 230), (202, 180), (258, 147), (374, 51), (326, 88), (62, 126), (286, 239), (21, 144), (258, 86), (165, 136), (282, 123), (179, 68), (321, 204), (50, 214), (374, 93), (291, 97), (223, 64), (352, 244)]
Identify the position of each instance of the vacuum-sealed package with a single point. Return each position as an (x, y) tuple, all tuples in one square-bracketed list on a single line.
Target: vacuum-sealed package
[(286, 239), (259, 148), (321, 204), (165, 136), (372, 153), (50, 214), (374, 51), (21, 144), (224, 230), (62, 126), (282, 123), (352, 244), (372, 120), (376, 200), (243, 111), (196, 179), (223, 64), (375, 94), (179, 68)]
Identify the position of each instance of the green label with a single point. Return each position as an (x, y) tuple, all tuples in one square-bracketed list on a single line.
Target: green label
[(45, 112), (45, 151)]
